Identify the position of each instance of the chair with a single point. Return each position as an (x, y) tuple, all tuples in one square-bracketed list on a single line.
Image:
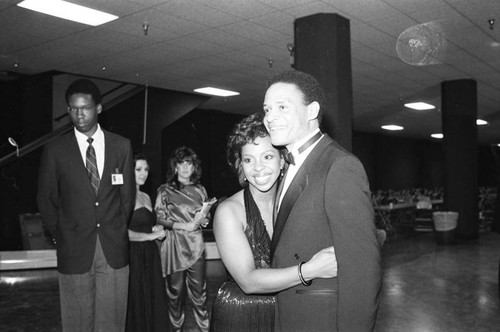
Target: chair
[(35, 237), (423, 215)]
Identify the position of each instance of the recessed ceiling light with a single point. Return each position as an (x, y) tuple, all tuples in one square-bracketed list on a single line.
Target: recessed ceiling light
[(480, 122), (420, 106), (437, 135), (68, 11), (392, 127), (216, 92)]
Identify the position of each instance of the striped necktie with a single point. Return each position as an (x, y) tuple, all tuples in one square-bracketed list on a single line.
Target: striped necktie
[(91, 165)]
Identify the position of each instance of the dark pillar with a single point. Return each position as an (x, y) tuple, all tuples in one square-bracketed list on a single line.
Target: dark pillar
[(459, 114), (323, 49)]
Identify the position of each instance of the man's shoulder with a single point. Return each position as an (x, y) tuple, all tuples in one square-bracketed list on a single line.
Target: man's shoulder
[(114, 137), (61, 141)]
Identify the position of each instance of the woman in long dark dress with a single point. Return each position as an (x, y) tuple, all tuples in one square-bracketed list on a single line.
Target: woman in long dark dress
[(147, 302), (243, 226)]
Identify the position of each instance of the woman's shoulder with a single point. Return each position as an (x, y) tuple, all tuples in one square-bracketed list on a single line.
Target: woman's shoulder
[(230, 213), (232, 205), (164, 187)]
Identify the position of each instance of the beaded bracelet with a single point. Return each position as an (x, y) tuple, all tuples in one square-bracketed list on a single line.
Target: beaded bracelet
[(302, 280)]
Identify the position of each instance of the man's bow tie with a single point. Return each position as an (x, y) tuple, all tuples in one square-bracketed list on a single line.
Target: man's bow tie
[(288, 156)]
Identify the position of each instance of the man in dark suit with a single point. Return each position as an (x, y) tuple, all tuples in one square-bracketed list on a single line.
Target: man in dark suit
[(324, 201), (86, 192)]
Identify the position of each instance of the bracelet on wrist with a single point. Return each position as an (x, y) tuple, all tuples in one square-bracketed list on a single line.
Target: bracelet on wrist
[(302, 280)]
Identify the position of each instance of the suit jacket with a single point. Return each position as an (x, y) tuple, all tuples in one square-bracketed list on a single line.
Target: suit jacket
[(328, 203), (72, 212)]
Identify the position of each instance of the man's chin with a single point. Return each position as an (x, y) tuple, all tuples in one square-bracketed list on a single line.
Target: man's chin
[(278, 141)]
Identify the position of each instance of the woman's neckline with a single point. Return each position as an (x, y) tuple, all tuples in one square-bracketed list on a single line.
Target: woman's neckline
[(143, 207)]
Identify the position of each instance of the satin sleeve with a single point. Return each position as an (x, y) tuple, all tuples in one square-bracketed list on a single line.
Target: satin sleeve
[(163, 216)]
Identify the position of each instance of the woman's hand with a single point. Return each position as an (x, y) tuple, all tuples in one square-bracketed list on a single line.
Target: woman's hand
[(203, 222), (191, 226), (157, 228), (322, 265), (158, 234)]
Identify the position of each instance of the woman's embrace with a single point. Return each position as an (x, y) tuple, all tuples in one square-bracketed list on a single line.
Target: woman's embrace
[(243, 227)]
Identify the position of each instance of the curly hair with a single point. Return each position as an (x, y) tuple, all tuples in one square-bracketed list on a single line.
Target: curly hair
[(179, 155), (307, 84), (244, 132)]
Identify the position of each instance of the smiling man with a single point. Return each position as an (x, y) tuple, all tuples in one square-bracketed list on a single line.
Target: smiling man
[(86, 192), (324, 201)]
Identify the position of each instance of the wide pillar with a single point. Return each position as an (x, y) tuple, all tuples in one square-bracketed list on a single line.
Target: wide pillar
[(323, 49), (459, 114)]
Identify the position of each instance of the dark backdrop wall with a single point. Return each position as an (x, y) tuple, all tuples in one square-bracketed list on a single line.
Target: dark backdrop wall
[(397, 163), (206, 132)]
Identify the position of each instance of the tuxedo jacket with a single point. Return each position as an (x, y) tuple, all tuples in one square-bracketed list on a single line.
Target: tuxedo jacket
[(74, 214), (328, 203)]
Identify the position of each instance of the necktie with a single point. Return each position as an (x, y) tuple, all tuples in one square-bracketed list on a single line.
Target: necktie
[(91, 165)]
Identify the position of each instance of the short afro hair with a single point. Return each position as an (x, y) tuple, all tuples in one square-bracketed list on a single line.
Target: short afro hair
[(307, 84), (84, 86)]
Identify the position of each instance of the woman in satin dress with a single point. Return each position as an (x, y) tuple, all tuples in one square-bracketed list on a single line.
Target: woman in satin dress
[(243, 227), (177, 207)]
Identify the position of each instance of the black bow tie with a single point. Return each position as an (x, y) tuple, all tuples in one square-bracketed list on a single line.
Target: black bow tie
[(288, 156)]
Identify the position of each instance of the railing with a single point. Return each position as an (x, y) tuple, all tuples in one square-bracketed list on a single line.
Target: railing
[(28, 148)]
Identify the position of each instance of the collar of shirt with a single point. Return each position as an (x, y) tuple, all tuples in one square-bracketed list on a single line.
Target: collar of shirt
[(98, 145), (299, 160)]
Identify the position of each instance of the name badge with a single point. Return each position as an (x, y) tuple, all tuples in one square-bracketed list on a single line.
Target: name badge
[(116, 178)]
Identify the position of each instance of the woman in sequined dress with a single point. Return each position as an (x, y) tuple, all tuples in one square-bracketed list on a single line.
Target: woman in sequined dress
[(243, 226)]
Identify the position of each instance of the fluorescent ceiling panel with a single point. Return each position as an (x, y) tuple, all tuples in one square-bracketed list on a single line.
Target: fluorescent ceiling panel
[(68, 11), (216, 92), (392, 127), (420, 106)]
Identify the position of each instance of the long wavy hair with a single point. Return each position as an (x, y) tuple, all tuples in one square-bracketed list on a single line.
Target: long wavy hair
[(179, 155), (244, 132)]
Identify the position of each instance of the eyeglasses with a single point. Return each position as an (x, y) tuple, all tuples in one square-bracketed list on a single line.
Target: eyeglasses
[(85, 109)]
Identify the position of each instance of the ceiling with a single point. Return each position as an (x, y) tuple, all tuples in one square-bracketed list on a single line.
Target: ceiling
[(229, 44)]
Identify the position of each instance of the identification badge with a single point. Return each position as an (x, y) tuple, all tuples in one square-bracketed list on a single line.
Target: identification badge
[(116, 178)]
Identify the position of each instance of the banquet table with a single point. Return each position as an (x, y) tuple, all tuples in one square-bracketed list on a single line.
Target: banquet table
[(398, 218)]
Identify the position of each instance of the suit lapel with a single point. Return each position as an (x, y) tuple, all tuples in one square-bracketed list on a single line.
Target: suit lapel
[(293, 192), (106, 170), (74, 154), (298, 185)]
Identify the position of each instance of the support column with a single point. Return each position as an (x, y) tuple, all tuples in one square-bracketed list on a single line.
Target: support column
[(323, 49), (459, 114)]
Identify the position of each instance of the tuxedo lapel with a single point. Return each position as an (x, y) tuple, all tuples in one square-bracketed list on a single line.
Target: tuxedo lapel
[(293, 192), (297, 186)]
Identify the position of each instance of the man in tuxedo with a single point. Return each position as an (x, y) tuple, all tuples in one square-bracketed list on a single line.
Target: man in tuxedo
[(86, 193), (323, 200)]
